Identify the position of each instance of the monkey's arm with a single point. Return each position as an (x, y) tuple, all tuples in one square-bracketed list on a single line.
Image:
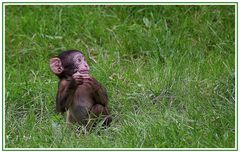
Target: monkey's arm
[(65, 94), (101, 98), (99, 92)]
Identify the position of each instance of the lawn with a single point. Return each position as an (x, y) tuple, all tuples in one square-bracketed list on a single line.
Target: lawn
[(169, 72)]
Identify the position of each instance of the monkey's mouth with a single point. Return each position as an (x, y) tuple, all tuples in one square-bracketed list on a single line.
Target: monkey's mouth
[(84, 72)]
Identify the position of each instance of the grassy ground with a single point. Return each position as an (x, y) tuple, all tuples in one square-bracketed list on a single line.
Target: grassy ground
[(169, 72)]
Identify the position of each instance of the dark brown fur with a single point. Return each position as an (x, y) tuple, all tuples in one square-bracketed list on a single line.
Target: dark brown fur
[(82, 96)]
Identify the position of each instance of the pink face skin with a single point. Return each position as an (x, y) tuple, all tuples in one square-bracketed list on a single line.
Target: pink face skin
[(82, 68), (81, 64)]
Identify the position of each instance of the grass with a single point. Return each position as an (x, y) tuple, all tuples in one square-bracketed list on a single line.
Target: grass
[(169, 72)]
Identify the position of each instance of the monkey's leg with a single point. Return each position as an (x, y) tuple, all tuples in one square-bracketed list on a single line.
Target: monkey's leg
[(70, 119), (100, 111)]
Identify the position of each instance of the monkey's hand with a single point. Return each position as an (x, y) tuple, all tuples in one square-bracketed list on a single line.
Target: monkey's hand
[(79, 78)]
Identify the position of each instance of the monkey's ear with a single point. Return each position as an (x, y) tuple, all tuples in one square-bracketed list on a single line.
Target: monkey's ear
[(56, 65)]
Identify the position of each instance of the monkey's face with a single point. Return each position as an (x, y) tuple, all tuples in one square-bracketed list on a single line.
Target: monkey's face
[(69, 63), (75, 65), (80, 64)]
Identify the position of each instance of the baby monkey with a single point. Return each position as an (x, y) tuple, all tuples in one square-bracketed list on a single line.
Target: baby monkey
[(82, 96)]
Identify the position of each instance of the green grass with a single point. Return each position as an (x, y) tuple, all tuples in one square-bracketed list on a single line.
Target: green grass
[(169, 72)]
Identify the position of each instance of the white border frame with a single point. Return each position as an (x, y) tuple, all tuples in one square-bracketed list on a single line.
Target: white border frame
[(114, 2)]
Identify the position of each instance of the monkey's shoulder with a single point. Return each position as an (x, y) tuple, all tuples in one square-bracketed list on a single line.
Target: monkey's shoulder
[(100, 88)]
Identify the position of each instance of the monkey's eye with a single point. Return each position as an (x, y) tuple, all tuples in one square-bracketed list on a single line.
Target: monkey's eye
[(75, 70)]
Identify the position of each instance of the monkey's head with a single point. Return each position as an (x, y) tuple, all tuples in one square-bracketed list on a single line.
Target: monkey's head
[(69, 63)]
